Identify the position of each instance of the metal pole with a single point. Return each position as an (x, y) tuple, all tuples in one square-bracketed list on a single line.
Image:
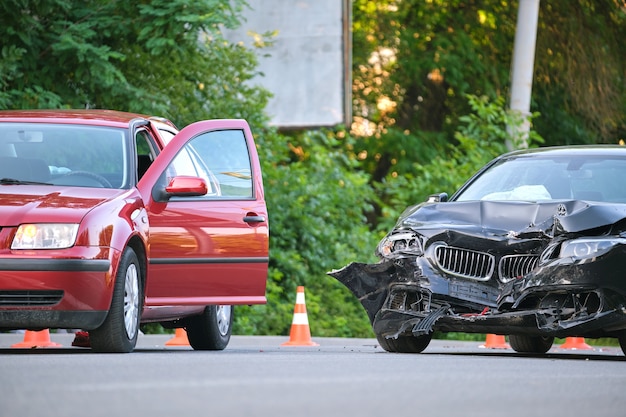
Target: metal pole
[(523, 65)]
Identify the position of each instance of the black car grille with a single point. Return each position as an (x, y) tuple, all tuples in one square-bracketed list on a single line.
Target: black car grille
[(465, 263), (30, 298), (514, 266)]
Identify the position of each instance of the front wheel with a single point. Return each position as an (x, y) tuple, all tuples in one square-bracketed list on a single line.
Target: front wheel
[(405, 344), (530, 344), (210, 330), (118, 333)]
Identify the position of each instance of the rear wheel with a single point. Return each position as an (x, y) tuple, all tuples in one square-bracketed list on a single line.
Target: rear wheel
[(530, 344), (118, 333), (405, 344), (210, 330)]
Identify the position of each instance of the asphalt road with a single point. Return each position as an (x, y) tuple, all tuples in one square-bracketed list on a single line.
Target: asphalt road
[(256, 376)]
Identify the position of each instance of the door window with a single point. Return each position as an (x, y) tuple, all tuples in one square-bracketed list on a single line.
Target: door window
[(221, 158)]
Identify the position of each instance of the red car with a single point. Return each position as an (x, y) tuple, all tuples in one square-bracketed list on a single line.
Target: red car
[(110, 219)]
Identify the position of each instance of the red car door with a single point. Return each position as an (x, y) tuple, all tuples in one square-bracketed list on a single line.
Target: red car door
[(210, 248)]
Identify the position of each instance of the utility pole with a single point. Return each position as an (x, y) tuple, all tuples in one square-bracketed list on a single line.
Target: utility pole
[(522, 66)]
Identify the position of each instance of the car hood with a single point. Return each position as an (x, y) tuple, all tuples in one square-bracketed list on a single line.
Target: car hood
[(39, 204), (512, 217)]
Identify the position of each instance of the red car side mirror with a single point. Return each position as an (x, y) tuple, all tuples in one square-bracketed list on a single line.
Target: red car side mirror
[(185, 186)]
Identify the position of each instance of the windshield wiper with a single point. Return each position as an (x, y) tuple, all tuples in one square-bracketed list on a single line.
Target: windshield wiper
[(13, 181)]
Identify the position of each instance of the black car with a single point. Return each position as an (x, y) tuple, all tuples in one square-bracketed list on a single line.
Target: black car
[(533, 246)]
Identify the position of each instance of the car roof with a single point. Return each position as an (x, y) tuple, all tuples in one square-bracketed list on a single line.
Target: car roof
[(605, 150), (100, 117)]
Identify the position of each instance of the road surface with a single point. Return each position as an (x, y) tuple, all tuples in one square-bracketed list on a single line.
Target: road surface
[(256, 376)]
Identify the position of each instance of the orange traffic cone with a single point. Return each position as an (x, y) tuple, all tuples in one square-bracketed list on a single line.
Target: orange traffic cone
[(495, 341), (300, 334), (36, 339), (575, 343), (179, 339)]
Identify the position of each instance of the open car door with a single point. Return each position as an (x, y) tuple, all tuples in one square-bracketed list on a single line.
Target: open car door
[(208, 221)]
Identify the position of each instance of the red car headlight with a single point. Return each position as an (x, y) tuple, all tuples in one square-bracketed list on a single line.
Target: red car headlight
[(45, 236)]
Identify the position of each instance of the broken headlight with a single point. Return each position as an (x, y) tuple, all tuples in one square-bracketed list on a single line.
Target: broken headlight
[(403, 242), (588, 247)]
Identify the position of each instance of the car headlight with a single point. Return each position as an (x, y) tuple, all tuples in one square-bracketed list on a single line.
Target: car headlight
[(588, 248), (406, 242), (45, 236)]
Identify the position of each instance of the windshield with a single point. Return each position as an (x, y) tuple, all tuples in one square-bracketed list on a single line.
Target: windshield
[(63, 154), (537, 178)]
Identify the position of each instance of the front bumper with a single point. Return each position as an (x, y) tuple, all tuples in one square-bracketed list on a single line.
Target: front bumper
[(404, 297), (38, 293), (392, 323), (51, 319)]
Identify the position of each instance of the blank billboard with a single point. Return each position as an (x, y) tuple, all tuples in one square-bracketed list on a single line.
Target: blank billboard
[(307, 69)]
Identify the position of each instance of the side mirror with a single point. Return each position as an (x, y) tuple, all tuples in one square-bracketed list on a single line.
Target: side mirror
[(437, 198), (183, 186)]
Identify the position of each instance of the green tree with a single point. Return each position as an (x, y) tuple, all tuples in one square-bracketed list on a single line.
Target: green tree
[(580, 72), (165, 57)]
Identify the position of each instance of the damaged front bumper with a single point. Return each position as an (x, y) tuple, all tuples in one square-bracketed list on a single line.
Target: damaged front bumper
[(405, 297)]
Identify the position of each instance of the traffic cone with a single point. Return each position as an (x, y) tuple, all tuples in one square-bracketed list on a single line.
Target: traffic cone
[(36, 339), (575, 343), (300, 334), (495, 341), (179, 339)]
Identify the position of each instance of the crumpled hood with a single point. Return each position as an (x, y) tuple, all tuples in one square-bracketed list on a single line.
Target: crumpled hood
[(519, 217), (28, 203)]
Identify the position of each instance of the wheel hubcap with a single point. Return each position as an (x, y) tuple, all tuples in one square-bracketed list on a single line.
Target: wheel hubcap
[(223, 319), (131, 300)]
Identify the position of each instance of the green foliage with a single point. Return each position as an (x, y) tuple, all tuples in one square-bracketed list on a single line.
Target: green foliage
[(165, 57), (580, 71), (491, 125), (424, 56)]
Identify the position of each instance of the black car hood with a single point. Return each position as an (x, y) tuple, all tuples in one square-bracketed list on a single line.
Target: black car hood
[(512, 217)]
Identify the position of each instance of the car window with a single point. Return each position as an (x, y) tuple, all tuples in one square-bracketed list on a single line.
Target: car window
[(222, 159), (75, 155), (595, 178), (186, 163)]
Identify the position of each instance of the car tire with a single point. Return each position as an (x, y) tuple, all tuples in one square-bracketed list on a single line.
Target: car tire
[(211, 330), (405, 344), (530, 344), (119, 332)]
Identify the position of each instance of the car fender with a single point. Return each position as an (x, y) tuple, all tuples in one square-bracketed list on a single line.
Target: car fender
[(100, 228)]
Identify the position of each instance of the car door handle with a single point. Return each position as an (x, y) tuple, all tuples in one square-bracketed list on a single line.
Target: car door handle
[(254, 219)]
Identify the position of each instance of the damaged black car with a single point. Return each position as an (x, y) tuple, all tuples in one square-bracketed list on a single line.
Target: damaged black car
[(533, 246)]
